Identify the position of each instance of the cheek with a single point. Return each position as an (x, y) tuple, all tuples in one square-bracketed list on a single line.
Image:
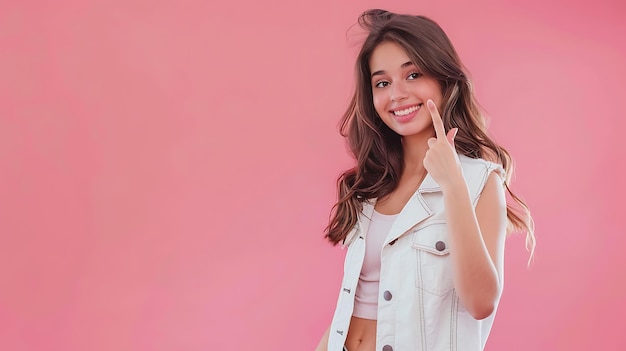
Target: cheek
[(379, 103), (435, 93)]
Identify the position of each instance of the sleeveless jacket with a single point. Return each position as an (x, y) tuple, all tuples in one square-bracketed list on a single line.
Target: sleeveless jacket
[(418, 308)]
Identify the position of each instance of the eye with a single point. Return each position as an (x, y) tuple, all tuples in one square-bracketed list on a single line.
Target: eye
[(414, 75), (381, 84)]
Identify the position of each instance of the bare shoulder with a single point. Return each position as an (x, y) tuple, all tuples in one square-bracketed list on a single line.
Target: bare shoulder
[(492, 196)]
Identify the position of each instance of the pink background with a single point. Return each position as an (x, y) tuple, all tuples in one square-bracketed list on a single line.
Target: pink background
[(168, 168)]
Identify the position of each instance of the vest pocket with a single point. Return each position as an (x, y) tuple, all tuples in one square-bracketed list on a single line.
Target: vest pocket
[(433, 272)]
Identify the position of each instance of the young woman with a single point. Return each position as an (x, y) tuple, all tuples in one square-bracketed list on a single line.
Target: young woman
[(423, 213)]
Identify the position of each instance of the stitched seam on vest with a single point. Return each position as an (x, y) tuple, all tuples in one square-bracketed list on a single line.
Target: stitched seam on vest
[(454, 308), (481, 185), (456, 319), (451, 315), (421, 298)]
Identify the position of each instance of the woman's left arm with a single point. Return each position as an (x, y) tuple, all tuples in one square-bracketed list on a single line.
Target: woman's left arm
[(476, 238)]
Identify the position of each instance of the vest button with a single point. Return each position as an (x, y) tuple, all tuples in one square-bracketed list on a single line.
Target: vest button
[(387, 348), (387, 295), (393, 241), (440, 246)]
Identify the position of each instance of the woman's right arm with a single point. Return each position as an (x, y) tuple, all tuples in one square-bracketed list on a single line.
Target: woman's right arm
[(323, 345)]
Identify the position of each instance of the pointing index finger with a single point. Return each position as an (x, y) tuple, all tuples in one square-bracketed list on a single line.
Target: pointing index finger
[(437, 122)]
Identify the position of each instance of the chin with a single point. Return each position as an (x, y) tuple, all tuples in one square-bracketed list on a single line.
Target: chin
[(406, 132)]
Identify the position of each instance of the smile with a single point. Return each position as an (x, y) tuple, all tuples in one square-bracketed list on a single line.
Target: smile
[(407, 111)]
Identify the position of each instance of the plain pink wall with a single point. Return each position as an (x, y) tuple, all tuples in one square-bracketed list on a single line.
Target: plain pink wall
[(168, 168)]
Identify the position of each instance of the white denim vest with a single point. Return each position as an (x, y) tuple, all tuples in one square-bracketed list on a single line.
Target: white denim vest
[(418, 308)]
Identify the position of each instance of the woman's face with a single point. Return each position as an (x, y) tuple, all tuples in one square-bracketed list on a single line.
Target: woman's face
[(400, 91)]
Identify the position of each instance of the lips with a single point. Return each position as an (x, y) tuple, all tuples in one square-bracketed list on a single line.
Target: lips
[(406, 113)]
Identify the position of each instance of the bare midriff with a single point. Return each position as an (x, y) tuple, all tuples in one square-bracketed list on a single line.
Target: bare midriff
[(361, 335)]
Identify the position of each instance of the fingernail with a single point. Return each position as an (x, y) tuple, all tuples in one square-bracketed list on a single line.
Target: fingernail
[(456, 130), (430, 103)]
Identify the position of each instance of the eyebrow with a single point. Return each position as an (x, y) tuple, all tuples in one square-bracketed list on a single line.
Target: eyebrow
[(382, 72)]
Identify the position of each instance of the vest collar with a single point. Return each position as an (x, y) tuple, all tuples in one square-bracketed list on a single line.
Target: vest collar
[(415, 211)]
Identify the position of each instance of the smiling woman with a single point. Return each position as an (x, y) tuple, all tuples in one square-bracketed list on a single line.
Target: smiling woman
[(423, 213)]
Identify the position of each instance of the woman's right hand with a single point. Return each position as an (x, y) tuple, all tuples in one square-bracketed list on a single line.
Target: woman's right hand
[(323, 345)]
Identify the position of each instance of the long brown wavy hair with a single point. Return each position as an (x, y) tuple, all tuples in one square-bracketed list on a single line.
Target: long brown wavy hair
[(378, 150)]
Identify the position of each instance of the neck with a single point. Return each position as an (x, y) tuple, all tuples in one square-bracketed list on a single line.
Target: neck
[(414, 148)]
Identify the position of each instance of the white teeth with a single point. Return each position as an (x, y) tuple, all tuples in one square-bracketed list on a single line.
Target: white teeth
[(406, 111)]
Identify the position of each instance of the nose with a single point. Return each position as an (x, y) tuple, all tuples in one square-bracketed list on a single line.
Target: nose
[(398, 92)]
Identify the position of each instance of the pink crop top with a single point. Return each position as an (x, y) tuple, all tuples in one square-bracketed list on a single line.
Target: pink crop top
[(366, 295)]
